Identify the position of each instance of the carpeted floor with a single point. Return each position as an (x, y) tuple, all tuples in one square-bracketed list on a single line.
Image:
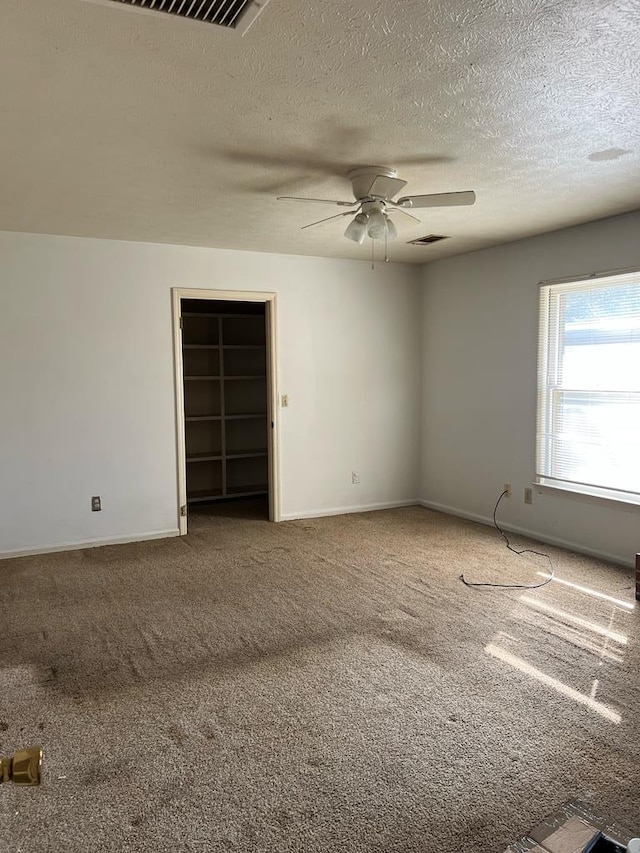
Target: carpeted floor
[(321, 685)]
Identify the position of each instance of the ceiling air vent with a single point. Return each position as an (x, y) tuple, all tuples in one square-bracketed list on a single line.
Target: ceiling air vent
[(235, 15), (425, 241)]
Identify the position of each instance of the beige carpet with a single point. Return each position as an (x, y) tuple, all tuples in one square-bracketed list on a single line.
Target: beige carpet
[(322, 685)]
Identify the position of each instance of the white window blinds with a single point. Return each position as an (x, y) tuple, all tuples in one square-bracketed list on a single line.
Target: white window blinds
[(588, 430)]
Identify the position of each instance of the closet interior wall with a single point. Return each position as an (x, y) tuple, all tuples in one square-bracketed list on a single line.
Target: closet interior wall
[(225, 399)]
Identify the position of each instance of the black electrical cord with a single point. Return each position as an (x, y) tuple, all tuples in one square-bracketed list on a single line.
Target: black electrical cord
[(515, 551)]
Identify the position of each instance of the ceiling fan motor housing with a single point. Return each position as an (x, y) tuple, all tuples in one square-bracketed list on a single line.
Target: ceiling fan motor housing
[(363, 177)]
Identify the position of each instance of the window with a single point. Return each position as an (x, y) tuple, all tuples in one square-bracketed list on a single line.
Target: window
[(588, 431)]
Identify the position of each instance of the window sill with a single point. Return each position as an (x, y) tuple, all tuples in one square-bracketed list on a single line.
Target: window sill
[(630, 503)]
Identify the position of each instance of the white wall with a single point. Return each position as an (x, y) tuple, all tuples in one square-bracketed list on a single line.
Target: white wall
[(479, 384), (87, 394)]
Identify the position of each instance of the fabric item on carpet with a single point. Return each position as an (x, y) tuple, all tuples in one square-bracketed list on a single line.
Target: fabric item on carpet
[(318, 685)]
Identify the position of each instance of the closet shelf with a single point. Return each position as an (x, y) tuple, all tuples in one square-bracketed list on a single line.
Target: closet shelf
[(233, 376), (201, 346), (243, 346), (204, 457), (247, 491), (217, 316), (225, 346), (204, 495), (241, 416), (216, 456), (204, 418), (250, 416)]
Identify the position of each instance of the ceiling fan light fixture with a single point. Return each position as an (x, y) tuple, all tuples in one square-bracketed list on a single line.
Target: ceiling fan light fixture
[(377, 225), (392, 231), (374, 188), (357, 228)]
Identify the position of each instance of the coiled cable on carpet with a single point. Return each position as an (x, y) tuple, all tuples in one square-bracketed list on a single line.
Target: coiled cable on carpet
[(515, 551)]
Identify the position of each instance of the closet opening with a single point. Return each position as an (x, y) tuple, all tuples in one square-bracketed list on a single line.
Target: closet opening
[(225, 390)]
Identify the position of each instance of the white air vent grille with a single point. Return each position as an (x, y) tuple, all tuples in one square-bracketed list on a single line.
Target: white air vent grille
[(233, 14)]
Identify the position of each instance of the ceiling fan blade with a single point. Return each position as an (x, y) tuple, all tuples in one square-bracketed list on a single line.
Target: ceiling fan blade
[(438, 199), (402, 210), (317, 200), (320, 221), (385, 187)]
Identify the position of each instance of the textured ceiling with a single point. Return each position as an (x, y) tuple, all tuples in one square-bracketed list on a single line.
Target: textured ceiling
[(138, 127)]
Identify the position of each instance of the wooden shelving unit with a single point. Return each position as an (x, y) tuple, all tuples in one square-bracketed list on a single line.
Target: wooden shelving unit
[(225, 394)]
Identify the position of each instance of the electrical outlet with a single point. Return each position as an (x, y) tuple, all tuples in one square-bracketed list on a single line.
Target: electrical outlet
[(507, 488), (96, 504), (355, 477), (528, 496)]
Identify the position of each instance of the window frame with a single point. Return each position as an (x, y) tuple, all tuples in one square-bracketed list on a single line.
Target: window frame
[(550, 353)]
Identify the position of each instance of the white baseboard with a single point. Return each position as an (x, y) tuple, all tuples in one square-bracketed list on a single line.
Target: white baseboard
[(578, 547), (95, 543), (346, 510)]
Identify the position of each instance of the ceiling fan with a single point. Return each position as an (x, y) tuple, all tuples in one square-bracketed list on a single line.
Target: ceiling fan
[(374, 188)]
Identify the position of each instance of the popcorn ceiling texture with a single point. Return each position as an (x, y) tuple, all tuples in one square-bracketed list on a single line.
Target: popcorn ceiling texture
[(140, 127)]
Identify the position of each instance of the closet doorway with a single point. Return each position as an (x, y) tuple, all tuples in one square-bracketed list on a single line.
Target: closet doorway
[(226, 403)]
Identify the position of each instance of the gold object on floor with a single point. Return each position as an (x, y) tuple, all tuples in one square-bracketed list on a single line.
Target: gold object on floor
[(23, 767)]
